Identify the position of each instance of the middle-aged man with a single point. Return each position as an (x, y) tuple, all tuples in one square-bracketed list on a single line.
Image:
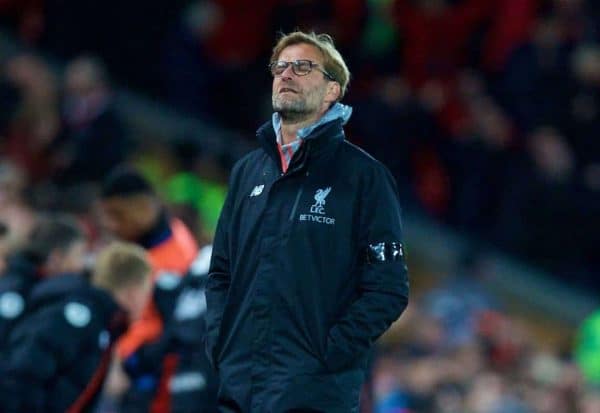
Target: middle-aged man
[(308, 264)]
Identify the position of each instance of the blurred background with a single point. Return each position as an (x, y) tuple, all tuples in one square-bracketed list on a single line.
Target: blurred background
[(487, 112)]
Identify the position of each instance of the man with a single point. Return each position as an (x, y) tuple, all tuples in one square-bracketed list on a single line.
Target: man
[(194, 384), (133, 212), (60, 354), (182, 307), (308, 266), (93, 140), (49, 264)]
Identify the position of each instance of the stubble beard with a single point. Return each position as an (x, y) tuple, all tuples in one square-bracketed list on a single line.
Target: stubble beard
[(291, 111)]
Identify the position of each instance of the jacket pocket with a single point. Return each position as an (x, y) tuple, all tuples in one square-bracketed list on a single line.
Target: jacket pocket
[(328, 393)]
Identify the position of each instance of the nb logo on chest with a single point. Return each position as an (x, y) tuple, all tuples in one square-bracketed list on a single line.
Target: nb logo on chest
[(257, 190)]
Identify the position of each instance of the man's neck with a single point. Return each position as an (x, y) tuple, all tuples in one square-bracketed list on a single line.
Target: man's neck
[(157, 229), (289, 129)]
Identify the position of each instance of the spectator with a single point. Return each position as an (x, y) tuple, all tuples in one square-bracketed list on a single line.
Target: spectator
[(545, 176), (194, 385), (35, 124), (436, 34), (536, 78), (94, 140), (132, 211), (460, 300), (15, 210), (3, 246), (49, 265), (60, 353), (510, 27)]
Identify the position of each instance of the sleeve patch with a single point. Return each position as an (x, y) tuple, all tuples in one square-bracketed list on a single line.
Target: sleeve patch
[(167, 280), (77, 314), (385, 251), (11, 304)]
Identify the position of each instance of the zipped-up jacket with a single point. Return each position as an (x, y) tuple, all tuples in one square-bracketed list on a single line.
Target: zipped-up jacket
[(307, 272), (60, 352), (15, 286)]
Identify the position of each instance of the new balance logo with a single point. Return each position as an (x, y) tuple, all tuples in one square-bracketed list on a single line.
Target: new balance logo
[(257, 190)]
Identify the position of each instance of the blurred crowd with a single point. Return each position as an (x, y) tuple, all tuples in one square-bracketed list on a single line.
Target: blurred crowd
[(486, 111), (60, 135), (458, 349)]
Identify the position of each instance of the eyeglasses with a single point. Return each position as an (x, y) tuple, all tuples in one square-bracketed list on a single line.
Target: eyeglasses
[(299, 67)]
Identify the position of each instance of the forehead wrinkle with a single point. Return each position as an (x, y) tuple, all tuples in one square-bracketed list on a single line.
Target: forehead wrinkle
[(302, 51)]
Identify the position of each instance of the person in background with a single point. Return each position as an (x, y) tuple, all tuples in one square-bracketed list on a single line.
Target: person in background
[(31, 117), (93, 140), (181, 304), (132, 211), (308, 265), (4, 233), (46, 268), (60, 354), (194, 385), (16, 210)]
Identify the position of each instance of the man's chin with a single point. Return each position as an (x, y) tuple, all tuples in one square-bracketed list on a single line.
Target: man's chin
[(290, 110), (291, 114)]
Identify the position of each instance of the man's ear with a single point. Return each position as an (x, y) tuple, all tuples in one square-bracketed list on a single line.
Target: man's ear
[(334, 91)]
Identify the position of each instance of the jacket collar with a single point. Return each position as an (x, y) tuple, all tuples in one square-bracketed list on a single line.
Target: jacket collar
[(319, 135), (108, 309), (56, 288), (337, 111), (113, 316), (160, 231), (24, 266)]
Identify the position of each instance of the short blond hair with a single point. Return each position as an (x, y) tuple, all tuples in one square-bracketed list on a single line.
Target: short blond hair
[(119, 265), (333, 62)]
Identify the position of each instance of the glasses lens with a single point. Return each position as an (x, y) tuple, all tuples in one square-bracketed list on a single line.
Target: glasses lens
[(278, 68), (302, 67)]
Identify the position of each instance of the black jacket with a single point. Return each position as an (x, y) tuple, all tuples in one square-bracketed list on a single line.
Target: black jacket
[(307, 272), (53, 290), (182, 306), (60, 352), (194, 384), (15, 286)]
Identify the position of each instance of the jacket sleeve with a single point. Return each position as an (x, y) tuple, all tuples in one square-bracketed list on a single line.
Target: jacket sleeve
[(383, 285), (39, 351), (12, 300), (219, 274)]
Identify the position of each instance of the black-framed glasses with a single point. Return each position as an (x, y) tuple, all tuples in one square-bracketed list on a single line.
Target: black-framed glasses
[(299, 67)]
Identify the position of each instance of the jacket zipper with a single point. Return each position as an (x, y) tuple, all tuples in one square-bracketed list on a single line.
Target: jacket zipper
[(298, 195)]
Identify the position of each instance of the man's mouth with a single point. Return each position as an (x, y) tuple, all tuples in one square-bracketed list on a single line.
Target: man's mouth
[(287, 90)]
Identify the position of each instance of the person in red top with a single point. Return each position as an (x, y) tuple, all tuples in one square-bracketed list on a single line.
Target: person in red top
[(132, 211), (436, 34)]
